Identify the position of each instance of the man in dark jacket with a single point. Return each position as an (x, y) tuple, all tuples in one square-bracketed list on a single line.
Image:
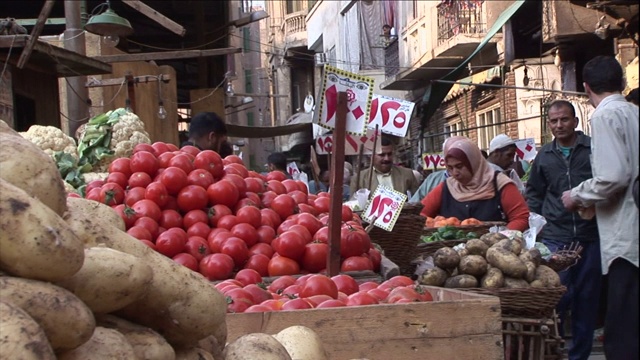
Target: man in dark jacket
[(559, 166)]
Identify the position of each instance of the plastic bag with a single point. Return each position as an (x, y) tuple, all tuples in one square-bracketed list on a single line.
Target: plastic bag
[(424, 265), (536, 223)]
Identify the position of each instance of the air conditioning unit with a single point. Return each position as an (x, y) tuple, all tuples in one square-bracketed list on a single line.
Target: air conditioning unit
[(321, 59)]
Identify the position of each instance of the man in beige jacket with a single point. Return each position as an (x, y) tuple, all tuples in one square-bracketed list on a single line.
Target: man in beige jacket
[(386, 173)]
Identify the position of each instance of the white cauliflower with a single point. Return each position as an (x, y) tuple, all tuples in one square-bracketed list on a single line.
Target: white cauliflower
[(126, 134), (51, 139), (90, 176)]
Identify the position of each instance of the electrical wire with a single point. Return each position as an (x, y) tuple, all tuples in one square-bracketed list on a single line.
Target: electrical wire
[(6, 62), (168, 49)]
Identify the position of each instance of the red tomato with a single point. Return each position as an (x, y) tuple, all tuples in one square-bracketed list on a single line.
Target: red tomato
[(261, 248), (284, 206), (276, 175), (245, 232), (121, 165), (361, 298), (302, 187), (193, 217), (291, 291), (143, 147), (133, 195), (198, 247), (322, 204), (216, 212), (140, 233), (93, 194), (285, 226), (276, 186), (223, 192), (238, 181), (425, 295), (139, 179), (170, 219), (368, 285), (266, 234), (322, 235), (238, 169), (290, 244), (216, 266), (281, 283), (118, 178), (353, 242), (187, 260), (127, 214), (149, 224), (248, 276), (215, 241), (149, 244), (296, 304), (201, 229), (228, 222), (376, 258), (171, 242), (111, 194), (331, 304), (189, 149), (234, 159), (250, 215), (301, 280), (209, 160), (259, 263), (147, 208), (144, 161), (306, 208), (164, 159), (290, 185), (258, 292), (255, 185), (347, 213), (319, 285), (258, 308), (396, 281), (282, 265), (174, 179), (316, 300), (345, 283), (402, 292), (182, 161), (315, 257), (192, 197), (159, 148), (200, 177), (356, 263), (237, 249), (306, 234), (239, 300), (299, 197), (267, 197), (157, 192), (95, 184), (379, 294)]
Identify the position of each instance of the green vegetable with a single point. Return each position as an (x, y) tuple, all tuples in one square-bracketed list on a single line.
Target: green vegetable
[(70, 169)]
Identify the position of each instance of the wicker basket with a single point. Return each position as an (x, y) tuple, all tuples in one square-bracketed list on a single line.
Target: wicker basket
[(529, 302), (399, 245), (478, 229)]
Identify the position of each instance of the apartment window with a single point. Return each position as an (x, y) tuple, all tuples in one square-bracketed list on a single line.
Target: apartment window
[(250, 120), (414, 9), (294, 6), (452, 129), (246, 39), (310, 4), (488, 126), (332, 57), (248, 84)]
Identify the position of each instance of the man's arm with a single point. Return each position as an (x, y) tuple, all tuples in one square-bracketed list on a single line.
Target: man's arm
[(536, 187)]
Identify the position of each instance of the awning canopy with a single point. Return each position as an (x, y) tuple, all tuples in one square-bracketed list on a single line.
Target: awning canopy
[(437, 92), (254, 132), (479, 78)]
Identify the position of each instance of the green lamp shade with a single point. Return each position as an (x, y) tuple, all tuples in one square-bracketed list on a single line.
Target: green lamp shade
[(109, 23)]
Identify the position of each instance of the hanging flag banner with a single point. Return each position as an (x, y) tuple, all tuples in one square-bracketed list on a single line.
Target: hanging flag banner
[(433, 161), (384, 207), (359, 91), (391, 115), (526, 149), (324, 143)]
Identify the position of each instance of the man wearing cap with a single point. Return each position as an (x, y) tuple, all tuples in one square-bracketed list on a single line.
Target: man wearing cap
[(502, 150), (207, 131)]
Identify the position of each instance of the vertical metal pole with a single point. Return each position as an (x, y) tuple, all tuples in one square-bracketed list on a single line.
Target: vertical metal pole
[(77, 93)]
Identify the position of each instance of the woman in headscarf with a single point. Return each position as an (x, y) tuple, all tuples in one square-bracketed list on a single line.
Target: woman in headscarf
[(474, 190)]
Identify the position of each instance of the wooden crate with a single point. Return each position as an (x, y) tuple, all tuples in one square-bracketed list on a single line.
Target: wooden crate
[(456, 325)]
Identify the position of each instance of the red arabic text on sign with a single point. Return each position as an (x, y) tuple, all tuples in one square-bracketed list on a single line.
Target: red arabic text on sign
[(379, 203), (331, 97)]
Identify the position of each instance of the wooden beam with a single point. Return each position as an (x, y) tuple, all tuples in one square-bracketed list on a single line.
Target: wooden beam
[(166, 55), (136, 80), (35, 33), (13, 41), (152, 14)]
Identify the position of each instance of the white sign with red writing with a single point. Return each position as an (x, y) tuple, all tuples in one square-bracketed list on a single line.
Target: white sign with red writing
[(359, 91), (391, 115), (292, 169), (433, 161), (384, 207), (324, 143), (526, 149)]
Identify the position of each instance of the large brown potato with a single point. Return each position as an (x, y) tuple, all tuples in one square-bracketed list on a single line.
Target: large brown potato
[(21, 337)]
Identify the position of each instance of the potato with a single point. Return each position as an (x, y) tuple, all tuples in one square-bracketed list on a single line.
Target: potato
[(97, 210), (26, 166), (493, 279), (462, 252), (531, 271), (256, 346), (511, 283), (147, 344), (434, 277), (512, 245), (474, 265), (302, 343), (180, 304), (65, 319), (105, 344), (547, 276), (446, 258), (507, 262), (193, 353), (461, 281), (210, 344), (476, 247), (36, 243), (21, 337), (109, 279), (491, 238), (532, 255)]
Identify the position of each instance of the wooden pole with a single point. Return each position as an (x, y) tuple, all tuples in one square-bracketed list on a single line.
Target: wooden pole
[(35, 33), (358, 162), (335, 184), (373, 154), (131, 92), (315, 168)]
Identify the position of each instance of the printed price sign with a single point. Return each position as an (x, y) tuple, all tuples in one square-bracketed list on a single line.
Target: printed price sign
[(391, 115), (385, 206), (526, 149), (292, 169), (359, 91), (324, 143), (433, 161)]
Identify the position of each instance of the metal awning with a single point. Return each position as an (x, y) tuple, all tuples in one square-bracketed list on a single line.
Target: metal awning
[(437, 92), (479, 78), (49, 58)]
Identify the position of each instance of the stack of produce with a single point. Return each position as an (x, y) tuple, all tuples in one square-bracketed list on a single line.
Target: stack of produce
[(75, 285), (216, 217), (493, 261)]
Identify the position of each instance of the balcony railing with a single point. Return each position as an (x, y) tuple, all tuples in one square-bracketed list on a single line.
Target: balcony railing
[(460, 17), (391, 59), (295, 22)]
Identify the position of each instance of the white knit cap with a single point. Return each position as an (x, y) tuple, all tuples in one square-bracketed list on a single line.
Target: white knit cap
[(500, 142)]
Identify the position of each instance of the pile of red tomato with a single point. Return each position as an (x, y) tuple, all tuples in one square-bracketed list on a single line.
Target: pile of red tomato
[(247, 293), (214, 216)]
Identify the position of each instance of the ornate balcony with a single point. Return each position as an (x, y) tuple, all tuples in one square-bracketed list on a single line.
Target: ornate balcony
[(391, 59), (295, 29), (460, 17)]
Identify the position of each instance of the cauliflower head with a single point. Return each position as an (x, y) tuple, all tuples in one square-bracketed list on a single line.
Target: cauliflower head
[(126, 134), (51, 139)]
